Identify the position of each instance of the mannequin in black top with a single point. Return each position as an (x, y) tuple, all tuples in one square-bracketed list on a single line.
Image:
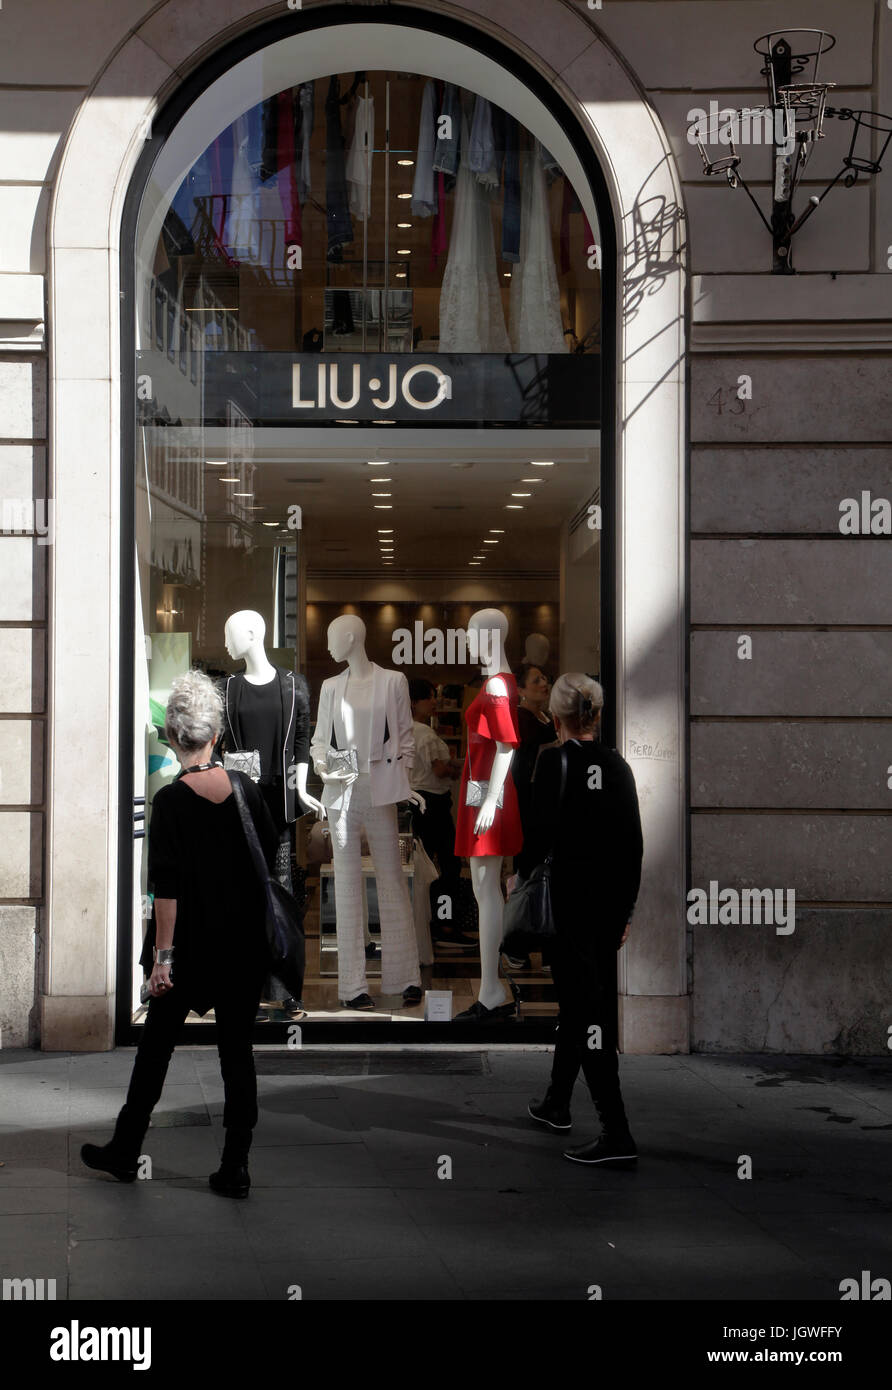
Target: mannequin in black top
[(267, 710), (594, 835)]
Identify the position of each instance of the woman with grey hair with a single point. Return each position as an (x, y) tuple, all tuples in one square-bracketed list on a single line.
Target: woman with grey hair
[(593, 832), (206, 946)]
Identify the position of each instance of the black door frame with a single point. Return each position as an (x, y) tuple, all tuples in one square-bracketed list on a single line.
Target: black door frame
[(127, 1033)]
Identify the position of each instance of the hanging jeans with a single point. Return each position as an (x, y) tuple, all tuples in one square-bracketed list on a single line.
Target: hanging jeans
[(399, 948)]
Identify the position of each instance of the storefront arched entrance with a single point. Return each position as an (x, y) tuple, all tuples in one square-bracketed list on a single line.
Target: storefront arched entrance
[(641, 428)]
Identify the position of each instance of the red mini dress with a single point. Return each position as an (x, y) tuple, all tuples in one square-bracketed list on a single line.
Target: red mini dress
[(491, 719)]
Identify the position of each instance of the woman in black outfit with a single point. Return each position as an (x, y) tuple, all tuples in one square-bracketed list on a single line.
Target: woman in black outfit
[(594, 833), (206, 946)]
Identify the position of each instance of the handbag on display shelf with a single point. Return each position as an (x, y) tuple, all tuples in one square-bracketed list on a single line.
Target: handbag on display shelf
[(476, 793), (528, 919), (284, 918), (243, 760)]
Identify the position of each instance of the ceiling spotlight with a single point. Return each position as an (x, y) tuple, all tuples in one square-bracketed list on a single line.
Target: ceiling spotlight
[(398, 275), (406, 163), (378, 463), (383, 507), (496, 531), (385, 530), (490, 542), (531, 480), (269, 523), (390, 494), (521, 494), (404, 252), (513, 507), (473, 562), (507, 274), (404, 226), (403, 196), (380, 480), (243, 494), (213, 463), (542, 463), (230, 480)]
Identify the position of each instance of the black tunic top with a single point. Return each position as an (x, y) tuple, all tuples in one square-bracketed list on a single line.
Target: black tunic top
[(594, 835), (198, 855)]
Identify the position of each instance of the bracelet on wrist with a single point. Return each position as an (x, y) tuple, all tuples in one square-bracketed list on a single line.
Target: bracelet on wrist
[(164, 955)]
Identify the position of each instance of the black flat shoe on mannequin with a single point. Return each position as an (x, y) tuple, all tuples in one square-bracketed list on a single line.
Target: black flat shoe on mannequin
[(478, 1013)]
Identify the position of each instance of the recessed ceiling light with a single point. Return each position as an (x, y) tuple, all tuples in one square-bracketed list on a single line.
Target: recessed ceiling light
[(496, 531), (230, 480), (378, 463), (390, 494), (243, 494), (212, 463), (404, 251), (380, 480), (398, 275), (383, 507), (404, 226), (507, 274), (521, 494), (385, 530), (269, 523), (403, 196), (513, 507), (531, 480), (473, 562), (406, 163), (490, 542), (542, 463)]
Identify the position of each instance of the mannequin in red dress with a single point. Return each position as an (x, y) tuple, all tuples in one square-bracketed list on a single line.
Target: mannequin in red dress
[(488, 832)]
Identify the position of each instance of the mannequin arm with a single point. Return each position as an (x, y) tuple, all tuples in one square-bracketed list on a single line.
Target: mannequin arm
[(500, 765), (299, 772)]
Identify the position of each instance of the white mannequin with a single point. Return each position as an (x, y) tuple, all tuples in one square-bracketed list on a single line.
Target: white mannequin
[(367, 708), (536, 649), (346, 642), (244, 635), (486, 869)]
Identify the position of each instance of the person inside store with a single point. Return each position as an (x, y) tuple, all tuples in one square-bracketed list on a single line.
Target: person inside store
[(206, 946), (536, 729), (432, 774), (589, 822)]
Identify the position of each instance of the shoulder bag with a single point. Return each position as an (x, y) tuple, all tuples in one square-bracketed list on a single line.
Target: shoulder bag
[(528, 920), (284, 919)]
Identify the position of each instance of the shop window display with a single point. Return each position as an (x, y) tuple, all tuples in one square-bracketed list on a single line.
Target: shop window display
[(368, 354)]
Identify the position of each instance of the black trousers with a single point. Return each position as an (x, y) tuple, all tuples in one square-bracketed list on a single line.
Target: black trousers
[(584, 973), (436, 831), (234, 1011)]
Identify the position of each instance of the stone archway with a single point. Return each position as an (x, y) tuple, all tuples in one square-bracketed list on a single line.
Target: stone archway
[(77, 1000)]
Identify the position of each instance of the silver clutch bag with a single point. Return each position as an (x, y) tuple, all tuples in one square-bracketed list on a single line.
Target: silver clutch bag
[(342, 760), (476, 792), (243, 760)]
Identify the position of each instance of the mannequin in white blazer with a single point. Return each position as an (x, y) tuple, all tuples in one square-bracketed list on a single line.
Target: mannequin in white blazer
[(367, 708)]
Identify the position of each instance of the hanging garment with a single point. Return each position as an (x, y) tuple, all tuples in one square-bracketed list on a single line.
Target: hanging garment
[(305, 114), (340, 225), (448, 132), (482, 150), (511, 202), (471, 314), (424, 192), (536, 324), (438, 227), (287, 175), (359, 159)]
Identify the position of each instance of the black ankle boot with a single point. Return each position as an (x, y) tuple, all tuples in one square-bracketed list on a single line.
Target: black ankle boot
[(120, 1156)]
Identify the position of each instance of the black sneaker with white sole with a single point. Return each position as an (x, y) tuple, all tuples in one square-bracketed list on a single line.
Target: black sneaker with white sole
[(617, 1152), (554, 1117)]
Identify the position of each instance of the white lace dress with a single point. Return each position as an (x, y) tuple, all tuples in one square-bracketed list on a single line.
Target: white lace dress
[(471, 314), (535, 304)]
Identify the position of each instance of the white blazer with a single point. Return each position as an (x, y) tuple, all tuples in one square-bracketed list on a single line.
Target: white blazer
[(390, 759)]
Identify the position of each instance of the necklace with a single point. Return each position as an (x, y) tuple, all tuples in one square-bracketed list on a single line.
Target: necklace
[(200, 767)]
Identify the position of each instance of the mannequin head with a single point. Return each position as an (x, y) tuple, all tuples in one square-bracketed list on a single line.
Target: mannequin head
[(245, 630), (536, 650), (345, 635), (491, 628)]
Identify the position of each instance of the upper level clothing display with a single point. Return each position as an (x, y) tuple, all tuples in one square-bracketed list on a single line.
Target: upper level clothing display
[(337, 197), (491, 719), (535, 313), (359, 159), (471, 314), (424, 190)]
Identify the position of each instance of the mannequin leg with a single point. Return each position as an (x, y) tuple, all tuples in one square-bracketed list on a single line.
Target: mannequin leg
[(345, 829), (399, 946), (486, 874)]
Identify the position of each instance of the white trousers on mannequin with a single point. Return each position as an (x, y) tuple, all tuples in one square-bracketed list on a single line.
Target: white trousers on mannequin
[(399, 948)]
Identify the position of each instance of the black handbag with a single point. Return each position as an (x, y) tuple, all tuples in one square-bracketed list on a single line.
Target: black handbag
[(284, 918), (528, 920)]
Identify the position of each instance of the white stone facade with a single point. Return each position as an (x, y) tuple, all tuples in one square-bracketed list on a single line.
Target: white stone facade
[(726, 520)]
